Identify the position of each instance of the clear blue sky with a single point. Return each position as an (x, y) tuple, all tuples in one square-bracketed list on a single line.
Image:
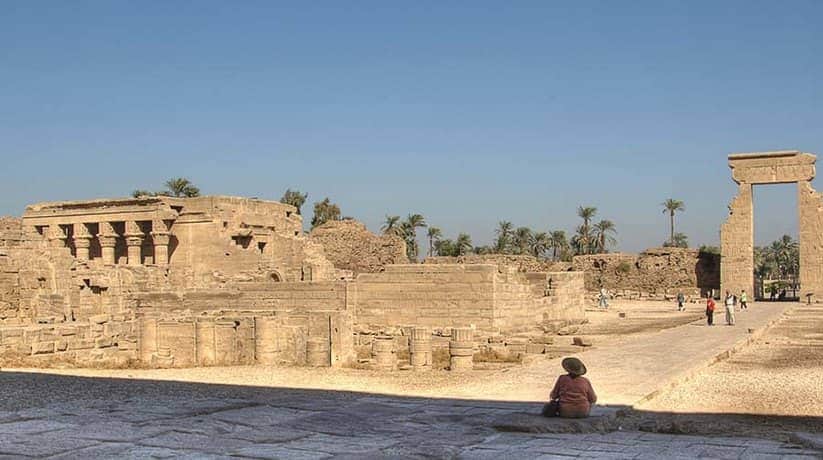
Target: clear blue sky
[(466, 112)]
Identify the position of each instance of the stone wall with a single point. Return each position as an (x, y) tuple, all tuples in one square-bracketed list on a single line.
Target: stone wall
[(655, 272), (523, 263), (349, 245), (441, 295)]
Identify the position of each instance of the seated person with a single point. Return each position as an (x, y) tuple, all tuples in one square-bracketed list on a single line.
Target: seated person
[(572, 396)]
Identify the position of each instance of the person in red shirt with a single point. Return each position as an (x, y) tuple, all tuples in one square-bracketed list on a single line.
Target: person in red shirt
[(572, 395), (710, 310)]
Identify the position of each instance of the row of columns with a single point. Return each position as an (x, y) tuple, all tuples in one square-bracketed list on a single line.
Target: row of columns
[(107, 236)]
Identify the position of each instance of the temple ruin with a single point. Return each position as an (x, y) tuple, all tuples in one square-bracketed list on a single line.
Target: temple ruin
[(215, 280), (737, 233)]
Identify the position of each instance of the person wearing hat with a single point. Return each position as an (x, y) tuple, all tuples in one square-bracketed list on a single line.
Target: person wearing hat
[(572, 395)]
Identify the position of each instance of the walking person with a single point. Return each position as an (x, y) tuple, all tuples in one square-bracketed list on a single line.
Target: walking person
[(744, 300), (604, 298), (681, 299), (730, 301), (710, 310)]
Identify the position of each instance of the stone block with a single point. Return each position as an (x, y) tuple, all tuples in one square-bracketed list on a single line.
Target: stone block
[(535, 348), (582, 341), (81, 344), (103, 342), (61, 345), (39, 348), (99, 319)]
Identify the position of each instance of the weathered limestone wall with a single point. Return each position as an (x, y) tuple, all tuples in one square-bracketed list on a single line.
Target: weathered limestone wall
[(654, 272), (245, 323), (11, 232), (440, 295), (737, 243), (523, 263), (427, 295), (811, 241), (349, 245)]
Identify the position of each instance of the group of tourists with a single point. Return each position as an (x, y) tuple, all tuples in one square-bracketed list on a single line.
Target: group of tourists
[(730, 302)]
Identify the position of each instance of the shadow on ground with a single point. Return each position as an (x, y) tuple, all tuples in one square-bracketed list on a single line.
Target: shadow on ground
[(47, 414)]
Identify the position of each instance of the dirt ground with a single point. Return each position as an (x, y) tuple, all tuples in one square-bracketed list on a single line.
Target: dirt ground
[(780, 374)]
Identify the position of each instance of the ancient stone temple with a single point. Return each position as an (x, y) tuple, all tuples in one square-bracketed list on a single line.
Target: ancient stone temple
[(737, 233), (215, 280)]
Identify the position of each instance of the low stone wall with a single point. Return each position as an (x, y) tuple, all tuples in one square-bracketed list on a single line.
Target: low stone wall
[(459, 295), (349, 245), (656, 272), (523, 263)]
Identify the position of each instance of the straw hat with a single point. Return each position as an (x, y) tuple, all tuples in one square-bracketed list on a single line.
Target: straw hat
[(574, 366)]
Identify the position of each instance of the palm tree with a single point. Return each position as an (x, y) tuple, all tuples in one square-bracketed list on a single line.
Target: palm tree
[(558, 242), (411, 224), (294, 198), (444, 247), (539, 243), (181, 187), (463, 245), (504, 235), (671, 206), (324, 211), (433, 234), (392, 226), (586, 213), (521, 239), (602, 235)]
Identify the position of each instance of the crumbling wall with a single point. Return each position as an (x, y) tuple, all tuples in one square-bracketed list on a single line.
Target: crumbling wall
[(349, 245), (655, 272), (245, 323), (11, 233), (523, 263)]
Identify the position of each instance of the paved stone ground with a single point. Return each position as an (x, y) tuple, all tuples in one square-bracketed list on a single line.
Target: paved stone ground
[(277, 423), (128, 418)]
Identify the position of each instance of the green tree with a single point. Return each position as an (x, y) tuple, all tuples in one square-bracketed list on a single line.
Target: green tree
[(539, 243), (391, 226), (324, 211), (559, 243), (434, 234), (504, 233), (294, 198), (584, 233), (139, 193), (603, 235), (680, 241), (445, 247), (521, 239), (410, 226), (463, 244), (181, 187), (671, 206)]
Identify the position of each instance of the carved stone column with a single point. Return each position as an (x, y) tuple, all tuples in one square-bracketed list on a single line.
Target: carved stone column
[(82, 241), (108, 240), (134, 242), (160, 237), (57, 238)]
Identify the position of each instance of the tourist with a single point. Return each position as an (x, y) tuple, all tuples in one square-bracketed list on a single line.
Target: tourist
[(604, 298), (572, 395), (710, 310), (681, 299), (730, 301), (744, 300)]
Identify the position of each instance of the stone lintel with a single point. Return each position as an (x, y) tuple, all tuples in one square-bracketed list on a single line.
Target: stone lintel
[(779, 167), (92, 216)]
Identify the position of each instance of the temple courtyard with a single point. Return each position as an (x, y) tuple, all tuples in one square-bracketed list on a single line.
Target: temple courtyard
[(668, 387)]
